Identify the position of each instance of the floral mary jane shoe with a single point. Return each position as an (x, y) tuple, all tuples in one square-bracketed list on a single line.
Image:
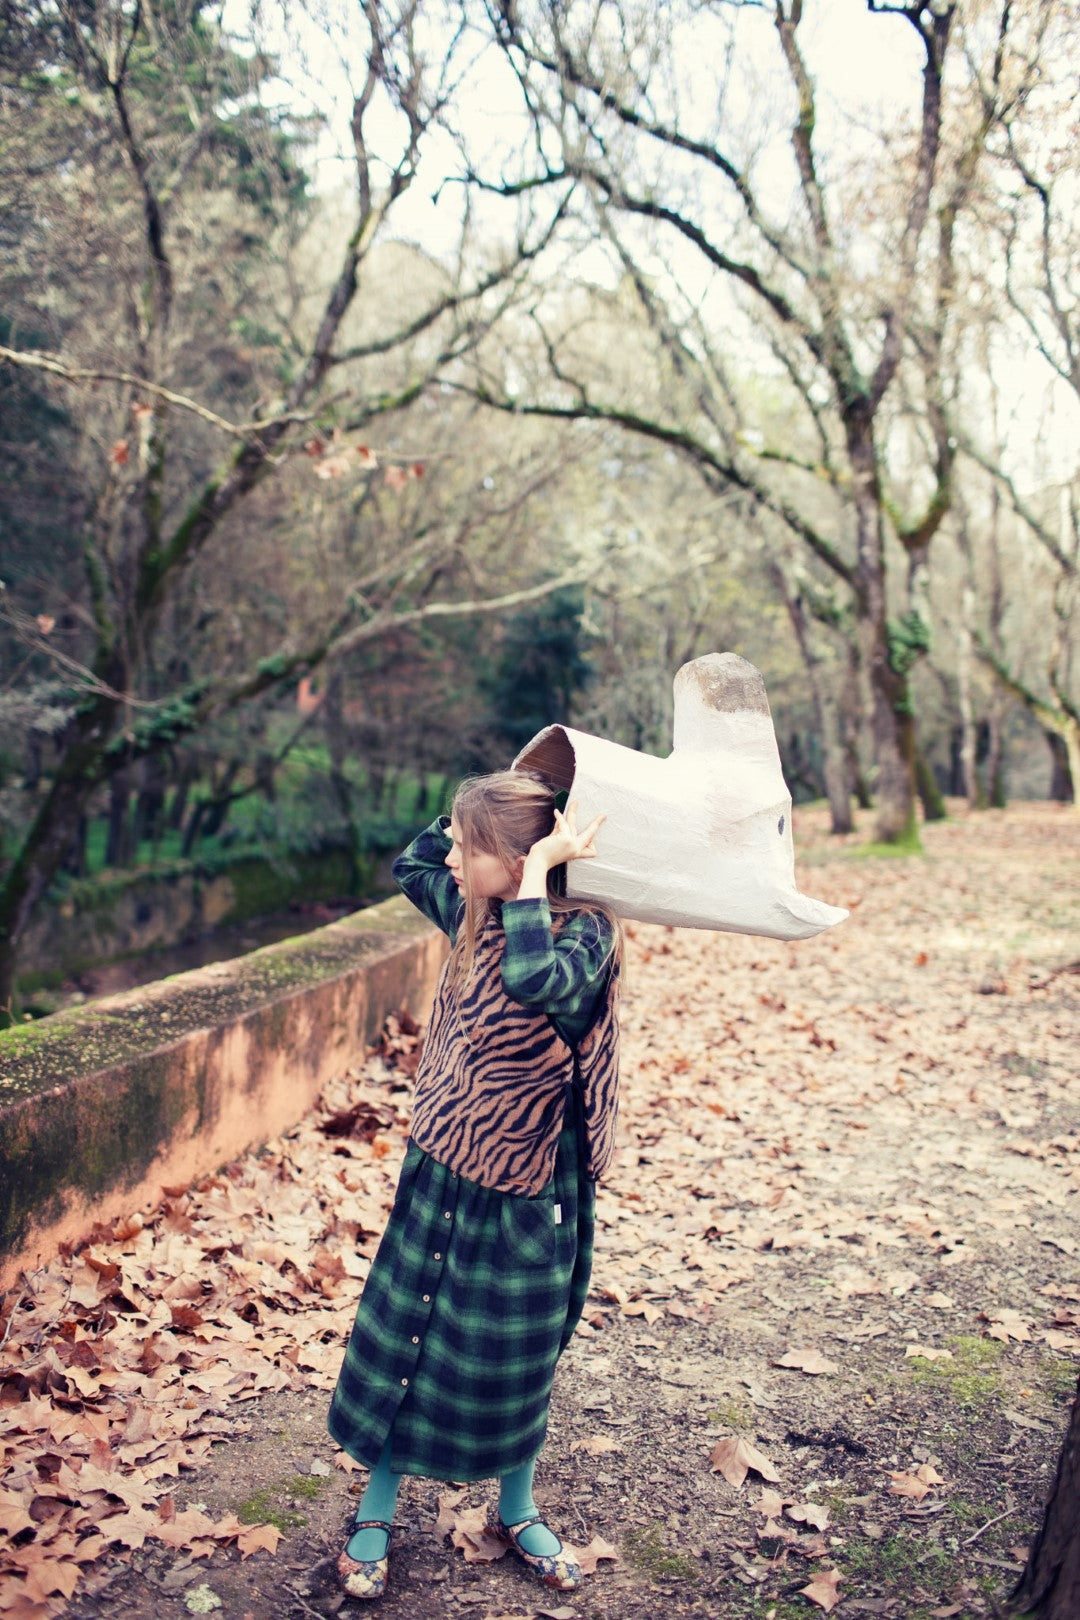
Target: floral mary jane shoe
[(364, 1578), (560, 1570)]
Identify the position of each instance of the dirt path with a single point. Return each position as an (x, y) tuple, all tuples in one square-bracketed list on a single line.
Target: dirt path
[(861, 1153)]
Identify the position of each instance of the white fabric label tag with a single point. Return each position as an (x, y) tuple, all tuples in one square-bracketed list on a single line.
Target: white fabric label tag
[(558, 1214)]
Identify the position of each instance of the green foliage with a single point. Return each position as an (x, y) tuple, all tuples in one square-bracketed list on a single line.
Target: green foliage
[(540, 668), (167, 723), (909, 638)]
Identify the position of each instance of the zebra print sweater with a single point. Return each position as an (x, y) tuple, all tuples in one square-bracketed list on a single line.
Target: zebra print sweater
[(494, 1078)]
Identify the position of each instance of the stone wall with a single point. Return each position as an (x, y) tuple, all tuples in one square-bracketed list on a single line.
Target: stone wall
[(104, 1105)]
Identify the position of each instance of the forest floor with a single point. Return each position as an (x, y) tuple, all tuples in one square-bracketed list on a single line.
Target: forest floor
[(834, 1331)]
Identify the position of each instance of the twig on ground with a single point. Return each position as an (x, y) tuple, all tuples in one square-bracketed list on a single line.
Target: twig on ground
[(27, 1288), (969, 1539), (11, 1317), (297, 1598)]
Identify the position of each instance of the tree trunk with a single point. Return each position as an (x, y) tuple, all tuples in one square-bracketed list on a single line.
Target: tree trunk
[(965, 654), (337, 742), (189, 775), (193, 830), (34, 750), (75, 860), (891, 720), (930, 794), (266, 775), (119, 846), (995, 756), (150, 804), (834, 762), (835, 767), (1061, 778), (1072, 754), (1050, 1585), (853, 708), (49, 839), (894, 754), (216, 812)]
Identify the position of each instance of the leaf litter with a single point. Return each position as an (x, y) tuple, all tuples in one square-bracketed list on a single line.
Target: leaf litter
[(842, 1145)]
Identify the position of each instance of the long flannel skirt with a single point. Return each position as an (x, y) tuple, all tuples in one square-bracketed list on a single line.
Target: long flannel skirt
[(470, 1301)]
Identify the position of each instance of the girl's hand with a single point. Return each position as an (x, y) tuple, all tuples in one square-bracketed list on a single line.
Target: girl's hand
[(563, 843)]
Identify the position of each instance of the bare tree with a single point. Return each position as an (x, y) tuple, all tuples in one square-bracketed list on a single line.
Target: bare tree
[(134, 190), (1032, 222), (842, 309)]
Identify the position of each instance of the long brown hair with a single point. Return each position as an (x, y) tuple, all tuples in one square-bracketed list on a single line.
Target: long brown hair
[(504, 814)]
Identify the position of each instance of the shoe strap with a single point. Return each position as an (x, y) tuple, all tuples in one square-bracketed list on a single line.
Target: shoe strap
[(370, 1524), (523, 1524), (514, 1531)]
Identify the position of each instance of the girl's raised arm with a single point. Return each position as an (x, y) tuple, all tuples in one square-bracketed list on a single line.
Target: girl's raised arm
[(564, 975), (422, 873)]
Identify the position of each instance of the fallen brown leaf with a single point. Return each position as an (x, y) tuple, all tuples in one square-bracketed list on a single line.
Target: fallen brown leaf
[(770, 1503), (596, 1445), (806, 1361), (734, 1457), (812, 1513), (472, 1536), (589, 1557), (1006, 1325), (823, 1589), (258, 1537)]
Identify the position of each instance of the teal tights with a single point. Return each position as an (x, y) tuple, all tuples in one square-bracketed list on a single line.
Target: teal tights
[(516, 1503), (380, 1500)]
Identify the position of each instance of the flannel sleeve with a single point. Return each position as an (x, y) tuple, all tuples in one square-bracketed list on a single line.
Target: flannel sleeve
[(421, 872), (563, 975)]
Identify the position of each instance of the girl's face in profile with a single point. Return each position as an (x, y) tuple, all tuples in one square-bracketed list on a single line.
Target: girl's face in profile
[(487, 877)]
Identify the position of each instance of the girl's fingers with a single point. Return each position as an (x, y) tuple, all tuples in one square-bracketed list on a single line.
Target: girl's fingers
[(586, 848), (594, 827), (566, 827)]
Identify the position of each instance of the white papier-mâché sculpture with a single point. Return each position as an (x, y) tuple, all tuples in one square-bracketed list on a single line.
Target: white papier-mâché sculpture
[(701, 839)]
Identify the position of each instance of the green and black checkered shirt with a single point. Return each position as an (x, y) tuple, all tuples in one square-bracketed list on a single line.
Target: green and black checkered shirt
[(563, 976)]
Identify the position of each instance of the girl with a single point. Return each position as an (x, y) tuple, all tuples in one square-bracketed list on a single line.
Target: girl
[(483, 1269)]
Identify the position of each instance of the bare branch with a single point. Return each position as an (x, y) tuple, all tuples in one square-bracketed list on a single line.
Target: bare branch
[(456, 300), (935, 37), (716, 470), (189, 712), (1022, 508), (748, 274), (568, 69), (1058, 721), (36, 361)]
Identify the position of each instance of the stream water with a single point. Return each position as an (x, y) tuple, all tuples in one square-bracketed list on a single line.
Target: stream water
[(220, 945)]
